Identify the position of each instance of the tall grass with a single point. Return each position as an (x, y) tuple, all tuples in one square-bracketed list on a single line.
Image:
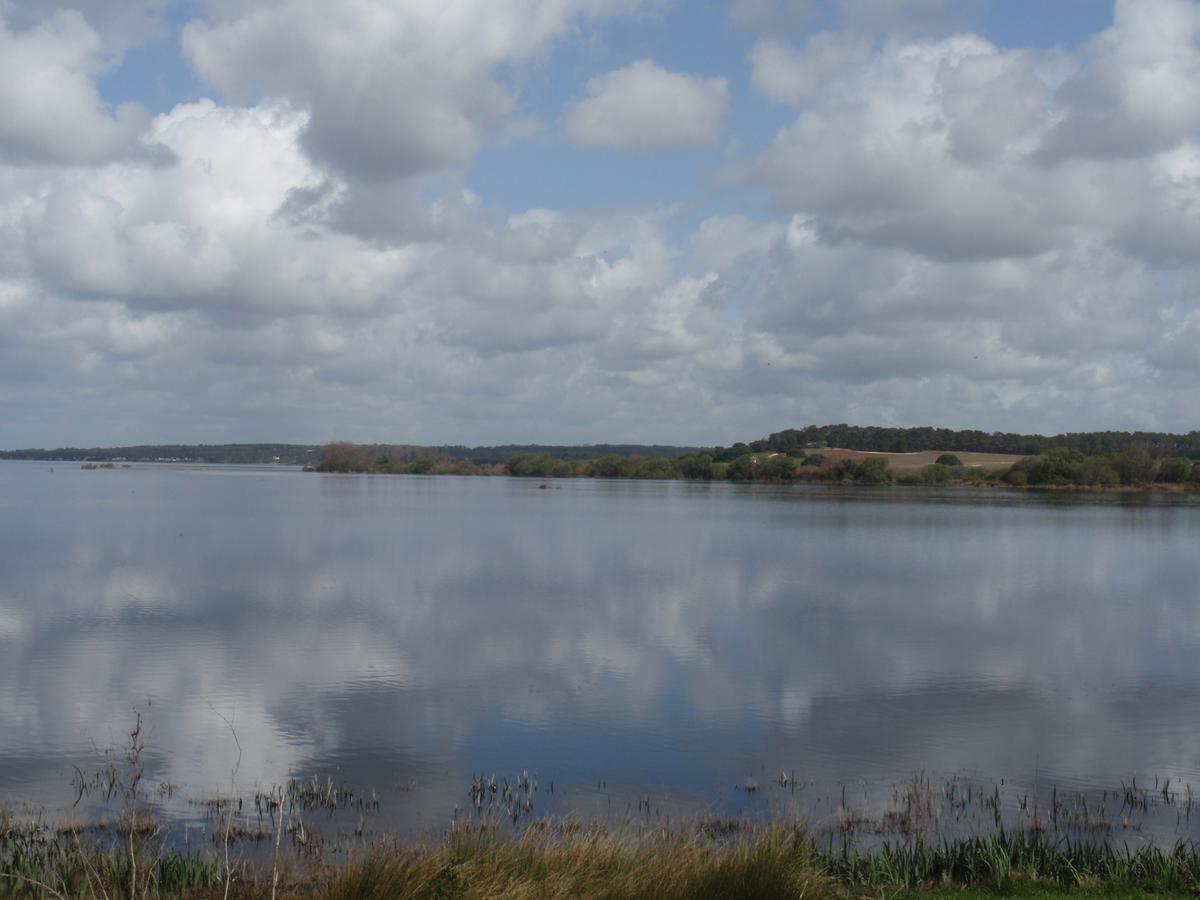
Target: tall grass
[(561, 860)]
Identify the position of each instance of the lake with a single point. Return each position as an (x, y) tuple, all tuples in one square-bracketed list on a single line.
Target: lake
[(640, 648)]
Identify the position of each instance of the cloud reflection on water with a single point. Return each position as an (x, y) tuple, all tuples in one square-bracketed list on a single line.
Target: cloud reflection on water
[(661, 637)]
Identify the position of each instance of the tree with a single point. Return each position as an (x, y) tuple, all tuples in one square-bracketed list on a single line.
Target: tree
[(696, 468), (874, 471), (422, 465), (740, 469), (341, 456), (935, 473), (1175, 471), (776, 468), (948, 459), (1134, 466), (608, 466)]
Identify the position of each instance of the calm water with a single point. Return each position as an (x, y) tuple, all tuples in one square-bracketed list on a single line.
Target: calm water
[(623, 640)]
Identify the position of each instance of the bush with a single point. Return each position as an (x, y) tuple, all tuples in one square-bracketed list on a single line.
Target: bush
[(777, 468), (948, 459), (1134, 466), (936, 473), (696, 468), (740, 469), (610, 466), (541, 465), (656, 467), (1059, 465), (1098, 471), (1175, 471), (874, 471), (422, 465), (342, 456)]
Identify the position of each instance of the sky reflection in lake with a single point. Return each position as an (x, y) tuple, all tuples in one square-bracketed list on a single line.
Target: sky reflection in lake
[(664, 639)]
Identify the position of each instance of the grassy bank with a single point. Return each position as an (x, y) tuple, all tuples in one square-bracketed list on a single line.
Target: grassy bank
[(569, 860)]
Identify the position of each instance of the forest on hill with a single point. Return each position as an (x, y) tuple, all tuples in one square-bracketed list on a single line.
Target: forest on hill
[(910, 440)]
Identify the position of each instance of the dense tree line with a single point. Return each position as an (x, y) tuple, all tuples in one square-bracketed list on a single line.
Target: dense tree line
[(908, 440), (217, 454), (1057, 467)]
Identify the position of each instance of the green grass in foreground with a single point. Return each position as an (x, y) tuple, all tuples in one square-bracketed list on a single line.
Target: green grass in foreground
[(576, 861)]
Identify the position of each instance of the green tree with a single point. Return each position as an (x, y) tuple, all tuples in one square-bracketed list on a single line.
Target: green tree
[(948, 459), (1058, 465), (608, 466), (740, 469), (1134, 466), (697, 468), (874, 470), (422, 465), (1098, 471), (935, 473), (776, 468), (1175, 471)]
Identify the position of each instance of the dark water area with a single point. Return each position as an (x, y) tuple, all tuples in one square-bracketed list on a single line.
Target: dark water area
[(640, 648)]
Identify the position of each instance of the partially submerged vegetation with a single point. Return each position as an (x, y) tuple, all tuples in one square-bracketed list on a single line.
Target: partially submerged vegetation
[(291, 841)]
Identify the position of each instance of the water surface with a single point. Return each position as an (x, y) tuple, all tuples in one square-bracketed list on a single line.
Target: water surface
[(628, 641)]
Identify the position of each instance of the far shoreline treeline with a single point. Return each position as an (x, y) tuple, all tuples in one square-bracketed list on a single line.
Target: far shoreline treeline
[(812, 453), (882, 456)]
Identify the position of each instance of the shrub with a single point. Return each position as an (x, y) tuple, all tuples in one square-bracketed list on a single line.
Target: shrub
[(697, 468), (1175, 471), (610, 466), (948, 459), (1098, 471), (740, 469), (1059, 465), (936, 473), (874, 471), (1134, 466), (777, 468), (422, 465)]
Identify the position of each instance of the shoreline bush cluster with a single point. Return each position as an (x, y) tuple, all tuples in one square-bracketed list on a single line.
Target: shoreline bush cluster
[(1058, 467)]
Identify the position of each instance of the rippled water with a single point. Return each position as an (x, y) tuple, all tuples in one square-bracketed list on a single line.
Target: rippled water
[(629, 642)]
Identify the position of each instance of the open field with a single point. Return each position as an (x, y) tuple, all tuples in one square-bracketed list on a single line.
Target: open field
[(910, 461)]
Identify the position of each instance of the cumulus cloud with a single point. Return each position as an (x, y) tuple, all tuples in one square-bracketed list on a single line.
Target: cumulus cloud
[(646, 107), (934, 250), (1137, 88), (50, 109), (392, 89)]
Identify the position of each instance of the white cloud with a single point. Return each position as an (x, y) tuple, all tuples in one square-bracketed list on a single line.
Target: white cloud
[(925, 259), (646, 107), (392, 89), (1137, 88), (50, 109)]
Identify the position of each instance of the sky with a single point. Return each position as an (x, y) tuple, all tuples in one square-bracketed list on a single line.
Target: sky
[(573, 221)]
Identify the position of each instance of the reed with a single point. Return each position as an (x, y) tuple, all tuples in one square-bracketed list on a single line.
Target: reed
[(569, 859)]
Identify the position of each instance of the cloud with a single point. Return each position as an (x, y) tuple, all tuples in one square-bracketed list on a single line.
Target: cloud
[(941, 147), (50, 110), (896, 148), (918, 258), (392, 90), (643, 107), (120, 25), (1136, 89)]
